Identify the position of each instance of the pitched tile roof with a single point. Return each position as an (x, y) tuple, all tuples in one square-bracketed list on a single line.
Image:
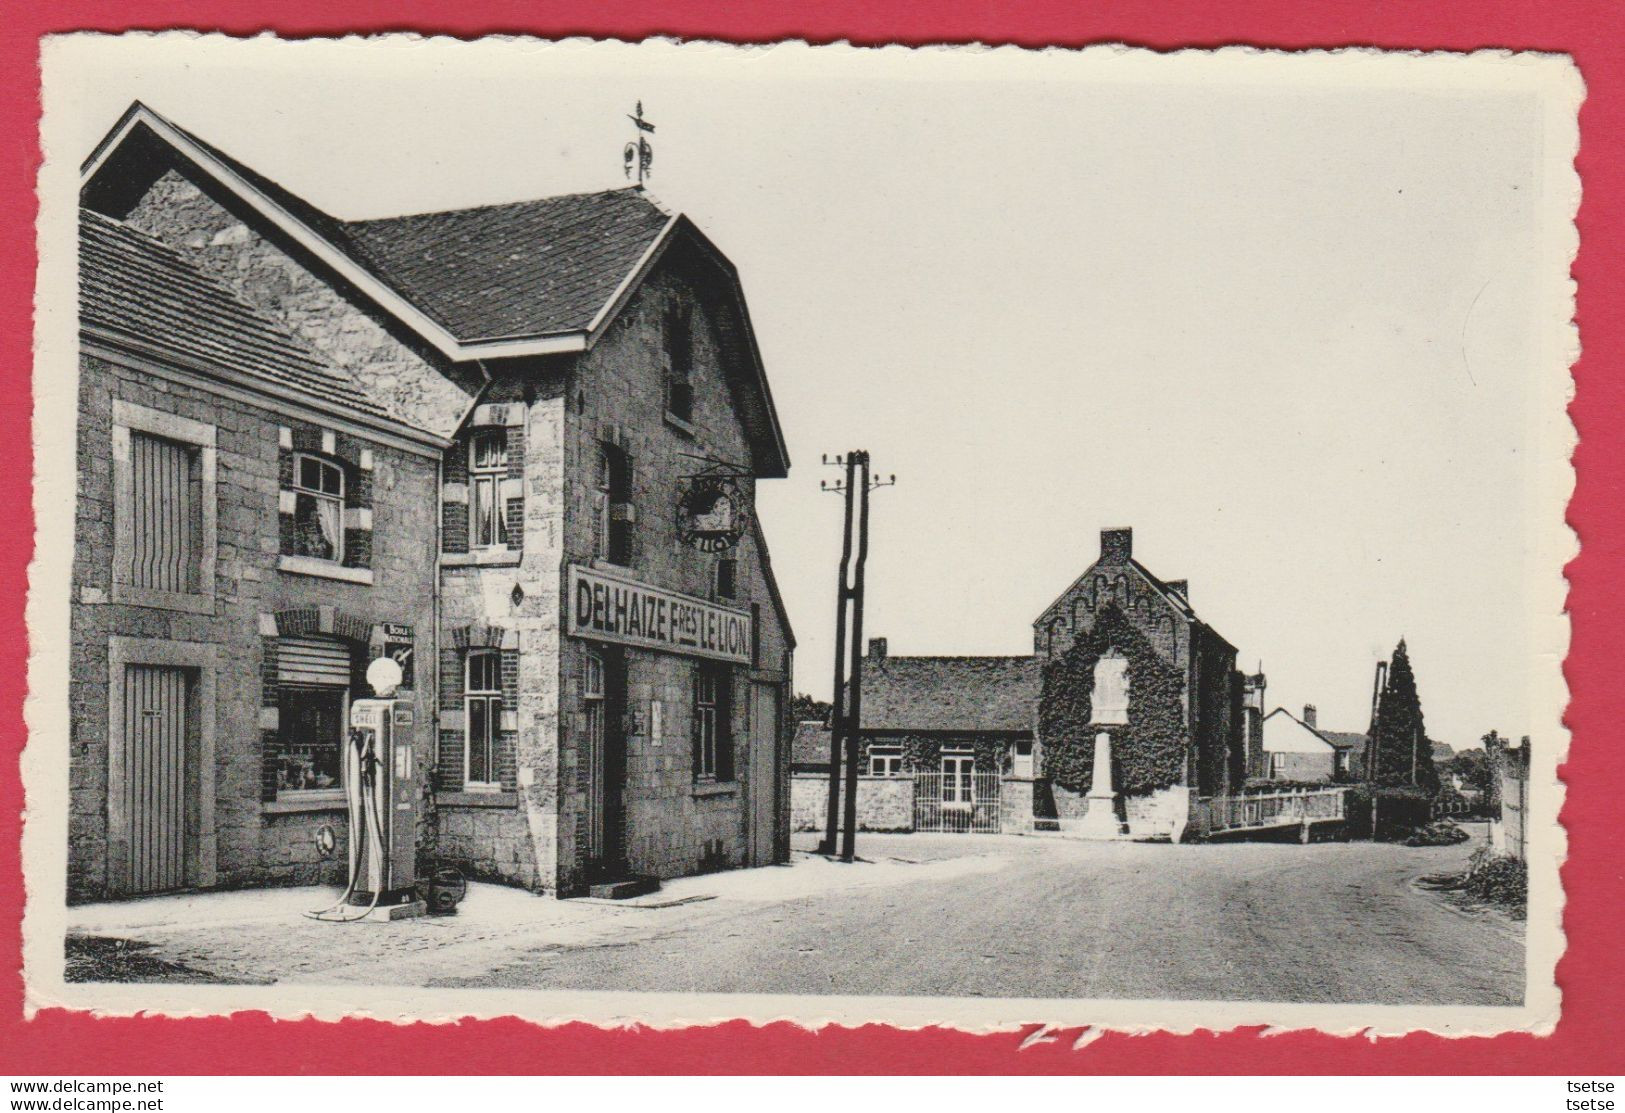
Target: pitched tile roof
[(950, 694), (523, 269), (810, 744), (1344, 740), (134, 286), (527, 268)]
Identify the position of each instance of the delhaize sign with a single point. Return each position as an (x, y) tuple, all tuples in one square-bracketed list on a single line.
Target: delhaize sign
[(615, 610)]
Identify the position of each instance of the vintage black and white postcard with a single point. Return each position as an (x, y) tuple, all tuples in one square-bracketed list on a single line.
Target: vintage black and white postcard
[(669, 532)]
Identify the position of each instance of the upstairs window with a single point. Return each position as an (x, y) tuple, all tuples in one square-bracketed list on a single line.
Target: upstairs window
[(318, 508), (680, 364), (727, 578), (613, 506), (487, 467)]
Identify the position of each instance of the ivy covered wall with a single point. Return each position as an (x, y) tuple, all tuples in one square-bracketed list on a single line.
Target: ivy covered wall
[(1149, 752)]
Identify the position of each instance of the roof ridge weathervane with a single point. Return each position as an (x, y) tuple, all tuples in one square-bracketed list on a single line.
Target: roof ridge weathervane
[(638, 153)]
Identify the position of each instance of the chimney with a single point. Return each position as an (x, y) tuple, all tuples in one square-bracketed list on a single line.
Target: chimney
[(1309, 716), (877, 649), (1181, 588), (1116, 546)]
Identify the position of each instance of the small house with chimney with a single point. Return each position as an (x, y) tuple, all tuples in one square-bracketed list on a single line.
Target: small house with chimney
[(1295, 750)]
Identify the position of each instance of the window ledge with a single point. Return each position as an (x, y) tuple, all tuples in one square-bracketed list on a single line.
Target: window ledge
[(716, 788), (324, 569), (476, 799), (304, 802), (684, 427), (482, 558), (194, 602)]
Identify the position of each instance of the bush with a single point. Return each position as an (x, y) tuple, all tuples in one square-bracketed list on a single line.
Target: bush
[(1438, 833), (1499, 878), (1401, 812)]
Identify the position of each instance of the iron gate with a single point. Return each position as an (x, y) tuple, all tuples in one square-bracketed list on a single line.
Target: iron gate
[(957, 801)]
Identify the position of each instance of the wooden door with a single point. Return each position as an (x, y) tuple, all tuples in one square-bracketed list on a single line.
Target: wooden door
[(764, 763), (157, 725)]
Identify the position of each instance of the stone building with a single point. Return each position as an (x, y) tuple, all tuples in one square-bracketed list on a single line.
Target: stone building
[(516, 444), (1180, 736)]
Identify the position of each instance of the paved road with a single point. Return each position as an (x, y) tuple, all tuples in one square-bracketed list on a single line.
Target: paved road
[(1051, 918)]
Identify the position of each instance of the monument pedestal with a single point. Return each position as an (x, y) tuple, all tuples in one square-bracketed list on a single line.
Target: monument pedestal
[(1100, 819)]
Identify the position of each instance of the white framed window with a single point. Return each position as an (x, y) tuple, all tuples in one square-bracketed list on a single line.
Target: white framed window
[(958, 778), (318, 508), (482, 717), (1021, 758), (487, 467), (1277, 766), (885, 761), (1342, 761), (163, 509)]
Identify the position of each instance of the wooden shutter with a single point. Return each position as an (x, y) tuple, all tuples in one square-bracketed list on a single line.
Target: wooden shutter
[(313, 661), (164, 519)]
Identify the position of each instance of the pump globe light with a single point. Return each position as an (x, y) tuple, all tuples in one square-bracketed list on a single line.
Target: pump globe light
[(384, 676)]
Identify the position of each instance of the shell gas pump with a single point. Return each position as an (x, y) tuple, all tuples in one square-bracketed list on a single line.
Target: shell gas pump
[(381, 790)]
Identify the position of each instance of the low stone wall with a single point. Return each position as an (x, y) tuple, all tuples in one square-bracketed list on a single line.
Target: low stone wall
[(1165, 814), (1016, 806), (884, 803)]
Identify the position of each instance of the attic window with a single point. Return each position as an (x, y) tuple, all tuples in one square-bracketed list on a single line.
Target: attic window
[(679, 339)]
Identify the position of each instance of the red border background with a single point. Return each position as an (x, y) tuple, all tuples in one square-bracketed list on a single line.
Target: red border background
[(1588, 1039)]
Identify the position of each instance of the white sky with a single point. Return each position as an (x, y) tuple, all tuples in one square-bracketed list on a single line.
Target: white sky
[(1293, 329)]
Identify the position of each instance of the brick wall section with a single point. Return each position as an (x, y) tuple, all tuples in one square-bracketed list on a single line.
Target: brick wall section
[(454, 507), (1302, 767), (254, 846), (513, 838)]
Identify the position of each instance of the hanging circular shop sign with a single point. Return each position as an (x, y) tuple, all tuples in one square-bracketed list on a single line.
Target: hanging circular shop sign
[(712, 513)]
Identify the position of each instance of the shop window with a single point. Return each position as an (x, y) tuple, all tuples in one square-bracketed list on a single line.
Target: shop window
[(318, 508), (310, 736), (679, 364), (713, 725), (487, 466), (613, 506), (482, 710), (885, 761)]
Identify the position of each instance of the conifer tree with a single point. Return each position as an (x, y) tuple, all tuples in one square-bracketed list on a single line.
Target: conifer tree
[(1404, 754)]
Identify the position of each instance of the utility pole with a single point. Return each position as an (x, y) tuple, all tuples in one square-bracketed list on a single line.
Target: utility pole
[(837, 718), (848, 702), (1371, 743)]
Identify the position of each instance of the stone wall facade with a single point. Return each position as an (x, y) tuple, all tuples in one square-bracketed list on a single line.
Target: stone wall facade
[(415, 555), (249, 833)]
